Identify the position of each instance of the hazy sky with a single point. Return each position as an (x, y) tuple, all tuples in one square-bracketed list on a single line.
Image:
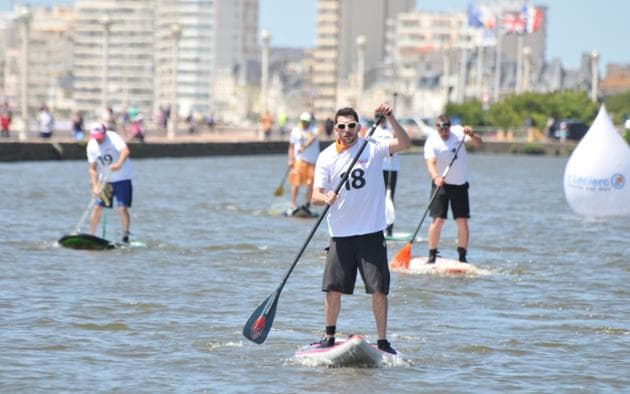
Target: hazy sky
[(573, 26)]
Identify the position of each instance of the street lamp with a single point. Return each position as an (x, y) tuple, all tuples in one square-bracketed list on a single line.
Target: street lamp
[(106, 22), (527, 52), (361, 44), (595, 75), (24, 16), (265, 35), (446, 70), (176, 34)]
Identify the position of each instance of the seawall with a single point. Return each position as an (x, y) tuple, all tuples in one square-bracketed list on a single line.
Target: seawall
[(42, 151)]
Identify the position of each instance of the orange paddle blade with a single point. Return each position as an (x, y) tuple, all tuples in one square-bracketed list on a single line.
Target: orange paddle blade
[(402, 258)]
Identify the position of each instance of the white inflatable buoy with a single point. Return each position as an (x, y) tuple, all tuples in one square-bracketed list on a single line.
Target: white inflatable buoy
[(597, 175)]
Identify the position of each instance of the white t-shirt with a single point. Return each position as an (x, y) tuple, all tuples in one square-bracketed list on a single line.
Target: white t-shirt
[(443, 151), (360, 205), (46, 122), (385, 135), (106, 153), (298, 138)]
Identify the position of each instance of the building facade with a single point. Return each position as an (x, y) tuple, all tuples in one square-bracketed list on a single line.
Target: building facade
[(339, 24)]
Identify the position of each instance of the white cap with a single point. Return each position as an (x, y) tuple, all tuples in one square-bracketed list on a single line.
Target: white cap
[(306, 117)]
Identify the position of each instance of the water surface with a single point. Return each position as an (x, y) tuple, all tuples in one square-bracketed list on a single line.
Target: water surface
[(553, 315)]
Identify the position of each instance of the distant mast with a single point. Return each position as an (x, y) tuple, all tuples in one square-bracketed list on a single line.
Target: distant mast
[(597, 175)]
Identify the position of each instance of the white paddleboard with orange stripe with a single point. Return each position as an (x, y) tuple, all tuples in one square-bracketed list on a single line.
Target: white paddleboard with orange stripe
[(418, 265), (354, 351)]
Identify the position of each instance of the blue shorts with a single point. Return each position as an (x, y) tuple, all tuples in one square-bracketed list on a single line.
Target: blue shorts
[(122, 192)]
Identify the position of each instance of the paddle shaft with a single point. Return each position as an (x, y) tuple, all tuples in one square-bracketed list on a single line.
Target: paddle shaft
[(284, 178), (437, 189), (90, 206)]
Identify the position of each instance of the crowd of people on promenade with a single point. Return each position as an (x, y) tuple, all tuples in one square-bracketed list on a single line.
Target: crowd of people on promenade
[(129, 122)]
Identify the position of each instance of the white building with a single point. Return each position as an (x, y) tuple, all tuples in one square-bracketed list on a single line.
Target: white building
[(49, 58), (114, 55), (339, 23)]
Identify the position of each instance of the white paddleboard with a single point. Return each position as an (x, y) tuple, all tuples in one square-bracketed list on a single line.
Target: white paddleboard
[(354, 351), (130, 244), (442, 266), (300, 213), (401, 236)]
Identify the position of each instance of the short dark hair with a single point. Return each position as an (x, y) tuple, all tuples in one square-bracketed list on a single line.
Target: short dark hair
[(442, 119), (347, 111)]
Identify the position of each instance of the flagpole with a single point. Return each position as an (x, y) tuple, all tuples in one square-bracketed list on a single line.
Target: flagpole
[(479, 71), (497, 67), (519, 63), (461, 92)]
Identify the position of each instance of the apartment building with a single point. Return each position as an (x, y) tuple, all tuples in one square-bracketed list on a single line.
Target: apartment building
[(113, 55), (339, 24), (152, 53), (49, 58)]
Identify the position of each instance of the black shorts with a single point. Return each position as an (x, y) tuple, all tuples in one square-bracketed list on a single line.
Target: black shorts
[(392, 180), (456, 195), (367, 253)]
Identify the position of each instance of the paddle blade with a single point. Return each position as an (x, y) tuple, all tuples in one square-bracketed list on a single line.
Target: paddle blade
[(402, 258), (390, 212), (279, 191), (259, 324)]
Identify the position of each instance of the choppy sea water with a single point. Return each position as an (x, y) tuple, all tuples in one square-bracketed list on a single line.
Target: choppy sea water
[(552, 316)]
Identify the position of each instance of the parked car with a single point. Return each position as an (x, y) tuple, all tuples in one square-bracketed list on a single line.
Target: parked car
[(569, 129), (415, 127)]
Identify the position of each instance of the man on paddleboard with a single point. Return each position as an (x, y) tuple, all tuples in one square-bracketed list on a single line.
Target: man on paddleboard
[(303, 152), (356, 218), (439, 150), (108, 153), (391, 166)]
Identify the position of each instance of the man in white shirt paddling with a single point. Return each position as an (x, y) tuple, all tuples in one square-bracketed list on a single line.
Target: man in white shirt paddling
[(356, 218), (108, 153), (439, 150)]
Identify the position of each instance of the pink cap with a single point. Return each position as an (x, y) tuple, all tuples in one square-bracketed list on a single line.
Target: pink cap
[(97, 130)]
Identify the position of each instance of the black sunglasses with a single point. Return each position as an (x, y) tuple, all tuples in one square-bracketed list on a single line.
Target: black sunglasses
[(342, 126), (444, 125)]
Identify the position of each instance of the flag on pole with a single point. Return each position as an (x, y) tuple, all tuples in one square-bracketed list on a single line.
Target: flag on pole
[(513, 22), (481, 17), (533, 18)]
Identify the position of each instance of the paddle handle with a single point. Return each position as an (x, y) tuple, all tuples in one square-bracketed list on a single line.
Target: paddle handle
[(437, 189)]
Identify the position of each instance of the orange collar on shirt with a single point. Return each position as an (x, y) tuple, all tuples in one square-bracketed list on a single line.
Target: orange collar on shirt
[(340, 146)]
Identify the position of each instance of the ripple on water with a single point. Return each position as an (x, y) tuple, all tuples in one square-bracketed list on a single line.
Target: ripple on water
[(117, 326)]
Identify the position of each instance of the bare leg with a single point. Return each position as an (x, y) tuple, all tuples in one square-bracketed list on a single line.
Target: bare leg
[(379, 306), (124, 219), (332, 306), (95, 217), (435, 229), (294, 194), (462, 232), (309, 193)]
